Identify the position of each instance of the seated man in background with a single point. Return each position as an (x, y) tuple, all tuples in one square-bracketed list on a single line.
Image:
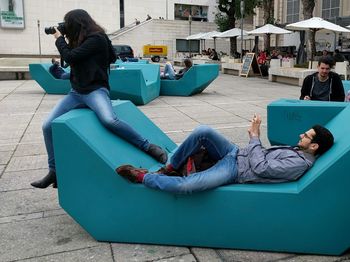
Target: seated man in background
[(57, 71), (252, 164), (338, 57), (169, 71), (323, 85)]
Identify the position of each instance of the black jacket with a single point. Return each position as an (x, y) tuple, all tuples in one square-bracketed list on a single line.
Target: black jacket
[(89, 62), (336, 87)]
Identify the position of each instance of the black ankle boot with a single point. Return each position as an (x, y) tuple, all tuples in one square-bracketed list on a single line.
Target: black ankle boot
[(47, 180)]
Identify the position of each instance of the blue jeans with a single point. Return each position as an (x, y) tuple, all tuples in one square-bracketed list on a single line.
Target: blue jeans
[(223, 172), (169, 72), (65, 76), (99, 102)]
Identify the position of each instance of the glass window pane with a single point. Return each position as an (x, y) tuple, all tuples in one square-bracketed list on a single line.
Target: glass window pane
[(334, 12), (326, 4)]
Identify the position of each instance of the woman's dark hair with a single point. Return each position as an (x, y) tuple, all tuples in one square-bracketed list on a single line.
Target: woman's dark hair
[(78, 25), (323, 138)]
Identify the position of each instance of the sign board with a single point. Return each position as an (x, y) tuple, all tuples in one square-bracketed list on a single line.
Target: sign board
[(11, 14), (250, 63)]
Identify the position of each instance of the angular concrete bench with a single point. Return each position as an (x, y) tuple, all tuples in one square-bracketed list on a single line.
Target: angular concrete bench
[(231, 68), (310, 215), (40, 73), (293, 76), (195, 80), (139, 83)]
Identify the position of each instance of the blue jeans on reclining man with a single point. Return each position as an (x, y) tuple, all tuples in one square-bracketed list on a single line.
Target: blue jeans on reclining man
[(169, 72), (218, 147)]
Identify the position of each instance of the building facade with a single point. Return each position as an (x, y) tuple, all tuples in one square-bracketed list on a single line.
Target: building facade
[(23, 21)]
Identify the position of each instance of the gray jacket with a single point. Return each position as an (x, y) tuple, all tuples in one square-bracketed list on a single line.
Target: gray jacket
[(273, 165)]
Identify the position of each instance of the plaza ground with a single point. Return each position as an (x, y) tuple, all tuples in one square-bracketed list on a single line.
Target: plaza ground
[(33, 227)]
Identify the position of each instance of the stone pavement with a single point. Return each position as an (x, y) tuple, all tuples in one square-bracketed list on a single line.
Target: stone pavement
[(33, 227)]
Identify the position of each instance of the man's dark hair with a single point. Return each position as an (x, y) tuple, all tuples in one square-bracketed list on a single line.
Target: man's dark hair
[(323, 138), (188, 62), (326, 60)]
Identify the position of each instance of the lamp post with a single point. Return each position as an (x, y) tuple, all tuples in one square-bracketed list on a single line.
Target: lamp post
[(242, 13), (189, 42), (39, 38), (166, 9)]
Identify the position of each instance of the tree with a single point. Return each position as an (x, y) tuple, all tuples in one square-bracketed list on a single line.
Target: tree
[(268, 7), (308, 9), (230, 11)]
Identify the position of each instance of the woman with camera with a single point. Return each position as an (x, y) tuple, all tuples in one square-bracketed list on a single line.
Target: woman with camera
[(89, 53)]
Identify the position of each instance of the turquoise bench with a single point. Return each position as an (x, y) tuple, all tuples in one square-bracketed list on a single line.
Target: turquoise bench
[(346, 84), (310, 215), (139, 83), (139, 61), (40, 73), (193, 82)]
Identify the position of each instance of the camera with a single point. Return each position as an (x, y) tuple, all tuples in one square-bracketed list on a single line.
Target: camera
[(51, 30)]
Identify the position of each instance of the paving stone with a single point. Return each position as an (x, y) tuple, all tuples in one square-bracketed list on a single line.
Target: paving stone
[(251, 256), (27, 162), (100, 253), (32, 149), (40, 237), (206, 254), (17, 180), (7, 147), (182, 258), (5, 157), (137, 252), (27, 201), (308, 258)]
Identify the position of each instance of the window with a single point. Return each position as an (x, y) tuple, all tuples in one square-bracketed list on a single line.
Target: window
[(198, 12), (292, 11), (330, 9), (184, 45)]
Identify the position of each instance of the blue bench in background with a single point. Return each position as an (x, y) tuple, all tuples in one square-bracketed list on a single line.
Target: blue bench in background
[(40, 73), (193, 82), (139, 83), (310, 215), (133, 60)]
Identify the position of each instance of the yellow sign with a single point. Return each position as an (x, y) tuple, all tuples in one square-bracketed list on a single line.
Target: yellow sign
[(155, 50)]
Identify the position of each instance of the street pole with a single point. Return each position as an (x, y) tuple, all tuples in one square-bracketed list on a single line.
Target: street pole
[(166, 10), (242, 13), (39, 38), (189, 42)]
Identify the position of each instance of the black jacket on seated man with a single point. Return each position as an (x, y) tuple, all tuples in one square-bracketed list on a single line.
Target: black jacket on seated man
[(335, 91)]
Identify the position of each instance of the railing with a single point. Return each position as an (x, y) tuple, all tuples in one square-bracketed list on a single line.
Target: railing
[(126, 28)]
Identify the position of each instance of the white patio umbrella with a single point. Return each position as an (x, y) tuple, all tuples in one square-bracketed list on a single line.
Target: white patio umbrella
[(210, 35), (315, 24), (232, 33), (195, 36), (269, 29)]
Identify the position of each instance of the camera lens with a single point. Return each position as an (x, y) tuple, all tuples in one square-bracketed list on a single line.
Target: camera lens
[(50, 30)]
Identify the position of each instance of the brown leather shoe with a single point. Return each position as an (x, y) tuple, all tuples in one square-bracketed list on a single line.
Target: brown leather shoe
[(130, 172)]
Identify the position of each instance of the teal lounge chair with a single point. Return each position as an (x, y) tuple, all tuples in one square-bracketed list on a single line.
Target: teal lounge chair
[(346, 84), (139, 83), (40, 73), (310, 215), (193, 82), (139, 61)]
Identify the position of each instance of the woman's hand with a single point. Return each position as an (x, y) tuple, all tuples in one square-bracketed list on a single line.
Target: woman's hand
[(57, 34), (254, 130)]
